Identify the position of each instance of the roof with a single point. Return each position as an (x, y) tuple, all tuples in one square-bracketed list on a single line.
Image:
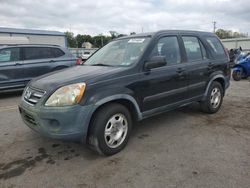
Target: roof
[(30, 31), (150, 34), (28, 45)]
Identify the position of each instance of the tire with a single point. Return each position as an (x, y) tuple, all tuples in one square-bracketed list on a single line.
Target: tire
[(214, 98), (237, 75), (110, 129)]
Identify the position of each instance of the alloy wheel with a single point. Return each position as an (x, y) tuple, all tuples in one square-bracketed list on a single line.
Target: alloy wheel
[(116, 130)]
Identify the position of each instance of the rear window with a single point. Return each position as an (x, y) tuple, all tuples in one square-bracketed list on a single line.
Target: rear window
[(216, 47)]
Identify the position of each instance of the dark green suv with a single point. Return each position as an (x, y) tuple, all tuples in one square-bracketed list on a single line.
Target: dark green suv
[(128, 80)]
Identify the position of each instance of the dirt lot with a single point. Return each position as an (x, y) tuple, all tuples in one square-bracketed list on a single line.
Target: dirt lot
[(182, 148)]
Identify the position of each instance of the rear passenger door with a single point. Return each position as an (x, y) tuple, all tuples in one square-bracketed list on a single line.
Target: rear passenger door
[(196, 65), (218, 60), (38, 61), (11, 71)]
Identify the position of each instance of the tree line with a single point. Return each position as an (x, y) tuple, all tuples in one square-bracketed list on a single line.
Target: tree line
[(97, 41), (101, 40), (227, 34)]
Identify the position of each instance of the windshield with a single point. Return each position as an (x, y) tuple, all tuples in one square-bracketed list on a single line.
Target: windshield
[(123, 52)]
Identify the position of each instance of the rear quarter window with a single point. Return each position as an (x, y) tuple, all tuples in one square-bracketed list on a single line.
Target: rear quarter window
[(216, 47), (56, 52)]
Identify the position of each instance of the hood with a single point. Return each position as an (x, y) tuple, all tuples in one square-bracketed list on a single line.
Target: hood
[(75, 74)]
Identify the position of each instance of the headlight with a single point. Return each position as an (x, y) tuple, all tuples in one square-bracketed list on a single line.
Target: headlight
[(67, 95)]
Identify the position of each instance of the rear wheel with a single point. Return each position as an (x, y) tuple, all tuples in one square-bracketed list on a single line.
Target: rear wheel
[(214, 98), (110, 129), (237, 75)]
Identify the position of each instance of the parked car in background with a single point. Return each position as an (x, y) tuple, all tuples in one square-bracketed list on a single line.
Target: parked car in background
[(20, 63), (129, 79), (86, 55)]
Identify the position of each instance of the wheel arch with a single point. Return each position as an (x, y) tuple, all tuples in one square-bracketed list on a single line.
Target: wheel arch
[(126, 100), (219, 78)]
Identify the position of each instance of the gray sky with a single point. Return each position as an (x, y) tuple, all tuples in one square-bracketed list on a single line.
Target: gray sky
[(101, 16)]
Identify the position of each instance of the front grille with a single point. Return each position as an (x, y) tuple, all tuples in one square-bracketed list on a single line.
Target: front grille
[(33, 96)]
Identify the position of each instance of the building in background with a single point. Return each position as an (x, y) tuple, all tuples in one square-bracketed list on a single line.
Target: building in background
[(10, 36), (87, 45), (234, 43)]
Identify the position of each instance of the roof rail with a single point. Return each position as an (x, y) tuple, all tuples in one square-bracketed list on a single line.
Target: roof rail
[(29, 45)]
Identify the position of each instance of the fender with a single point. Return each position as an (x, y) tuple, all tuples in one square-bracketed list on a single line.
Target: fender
[(121, 96), (210, 82), (106, 100)]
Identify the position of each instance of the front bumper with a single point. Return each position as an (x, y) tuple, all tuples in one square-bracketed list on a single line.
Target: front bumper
[(66, 123)]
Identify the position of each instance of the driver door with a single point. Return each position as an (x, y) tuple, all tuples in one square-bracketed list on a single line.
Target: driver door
[(167, 86)]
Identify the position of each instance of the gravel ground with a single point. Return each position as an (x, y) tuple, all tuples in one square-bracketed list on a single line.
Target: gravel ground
[(182, 148)]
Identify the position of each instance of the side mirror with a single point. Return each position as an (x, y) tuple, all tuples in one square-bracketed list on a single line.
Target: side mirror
[(155, 61)]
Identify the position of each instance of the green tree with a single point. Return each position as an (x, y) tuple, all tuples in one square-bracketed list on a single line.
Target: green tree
[(224, 34), (77, 41), (121, 35), (83, 38), (72, 43), (100, 40), (113, 34)]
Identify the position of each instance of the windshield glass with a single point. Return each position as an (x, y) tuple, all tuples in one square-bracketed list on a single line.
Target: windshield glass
[(124, 52)]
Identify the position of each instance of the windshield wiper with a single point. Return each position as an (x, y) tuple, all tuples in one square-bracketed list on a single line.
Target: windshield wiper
[(101, 64)]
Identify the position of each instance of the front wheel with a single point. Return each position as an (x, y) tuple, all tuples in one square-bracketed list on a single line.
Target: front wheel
[(237, 75), (110, 129), (214, 98)]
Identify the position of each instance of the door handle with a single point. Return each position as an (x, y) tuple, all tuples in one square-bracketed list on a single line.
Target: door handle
[(180, 70), (18, 64), (51, 61)]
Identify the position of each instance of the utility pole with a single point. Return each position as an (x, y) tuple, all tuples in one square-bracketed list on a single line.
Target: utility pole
[(214, 24), (101, 39)]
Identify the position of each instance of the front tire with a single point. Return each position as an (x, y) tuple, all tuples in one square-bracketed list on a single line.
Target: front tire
[(214, 98), (110, 129)]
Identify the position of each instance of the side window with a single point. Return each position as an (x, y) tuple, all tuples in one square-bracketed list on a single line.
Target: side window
[(37, 53), (193, 48), (9, 54), (56, 52), (168, 47), (216, 47)]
